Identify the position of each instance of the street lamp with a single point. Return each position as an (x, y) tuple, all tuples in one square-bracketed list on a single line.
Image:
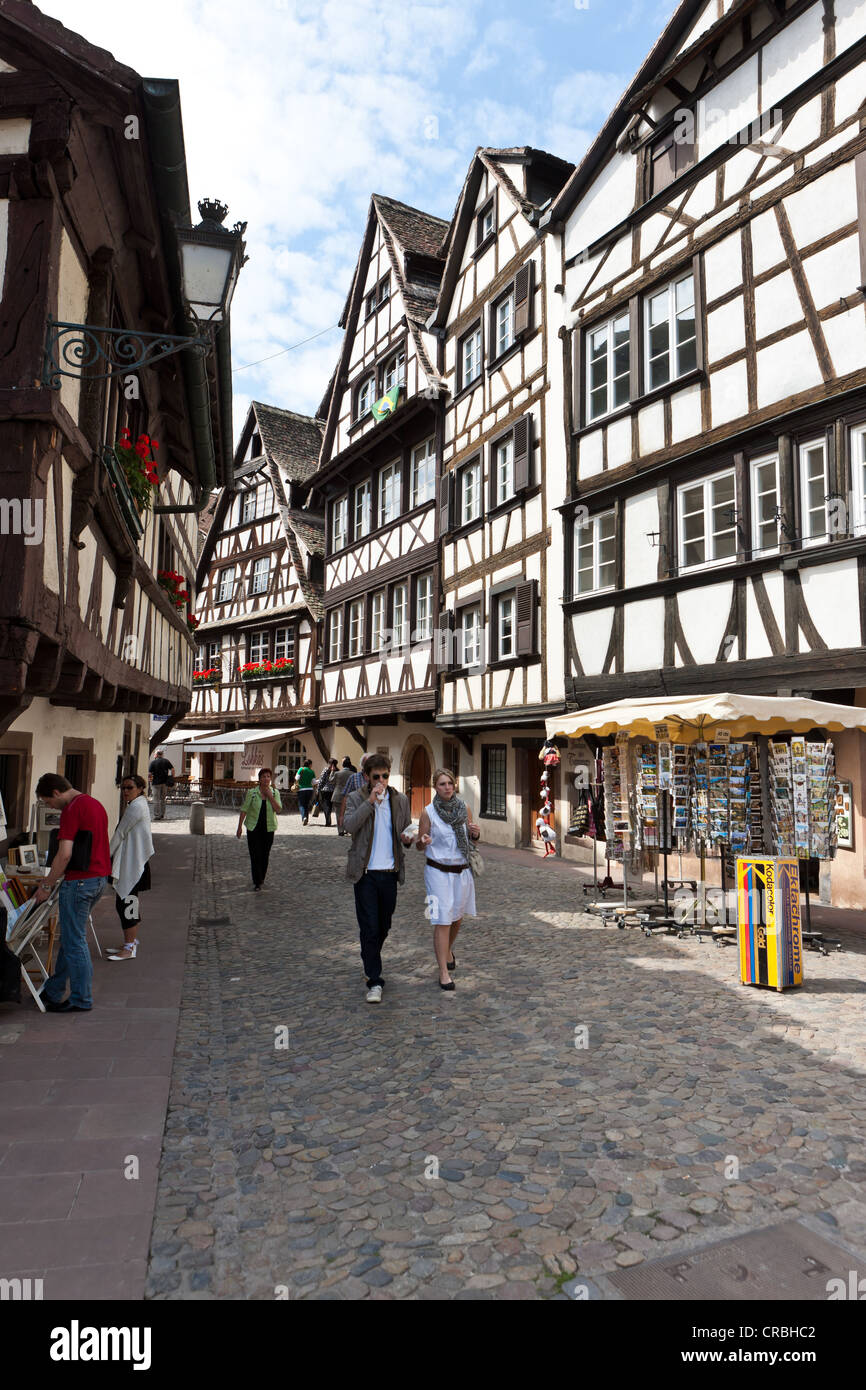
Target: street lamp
[(211, 257)]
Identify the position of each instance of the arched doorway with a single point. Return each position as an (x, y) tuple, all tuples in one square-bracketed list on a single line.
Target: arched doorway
[(420, 773)]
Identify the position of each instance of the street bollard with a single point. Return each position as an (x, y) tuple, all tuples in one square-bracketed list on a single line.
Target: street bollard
[(196, 818)]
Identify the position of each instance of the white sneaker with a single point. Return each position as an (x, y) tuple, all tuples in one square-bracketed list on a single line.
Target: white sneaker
[(374, 994)]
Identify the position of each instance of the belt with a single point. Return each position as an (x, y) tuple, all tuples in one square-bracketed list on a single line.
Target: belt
[(381, 871), (447, 868)]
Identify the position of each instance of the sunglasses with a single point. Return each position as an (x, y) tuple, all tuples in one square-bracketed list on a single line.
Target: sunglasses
[(379, 776)]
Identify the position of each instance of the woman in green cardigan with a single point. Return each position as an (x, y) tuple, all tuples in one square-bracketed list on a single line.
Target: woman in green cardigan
[(261, 807)]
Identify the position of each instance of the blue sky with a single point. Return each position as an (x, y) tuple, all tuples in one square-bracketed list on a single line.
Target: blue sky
[(295, 111)]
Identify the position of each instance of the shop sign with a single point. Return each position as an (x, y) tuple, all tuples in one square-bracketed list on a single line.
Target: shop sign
[(252, 755), (661, 733), (722, 736)]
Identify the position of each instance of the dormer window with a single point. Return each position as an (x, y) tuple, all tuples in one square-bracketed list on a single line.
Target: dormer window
[(673, 153), (394, 373), (366, 397), (485, 223)]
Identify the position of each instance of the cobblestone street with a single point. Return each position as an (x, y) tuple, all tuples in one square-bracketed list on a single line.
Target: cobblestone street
[(306, 1170)]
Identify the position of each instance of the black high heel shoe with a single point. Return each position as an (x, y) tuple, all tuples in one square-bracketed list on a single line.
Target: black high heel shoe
[(452, 963), (450, 985)]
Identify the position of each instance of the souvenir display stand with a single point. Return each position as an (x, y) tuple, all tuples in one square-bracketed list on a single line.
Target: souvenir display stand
[(21, 938)]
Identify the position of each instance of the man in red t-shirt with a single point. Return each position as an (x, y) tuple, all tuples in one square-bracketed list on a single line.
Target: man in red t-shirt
[(83, 819)]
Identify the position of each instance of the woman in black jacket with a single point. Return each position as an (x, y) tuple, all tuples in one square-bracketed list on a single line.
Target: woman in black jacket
[(326, 788)]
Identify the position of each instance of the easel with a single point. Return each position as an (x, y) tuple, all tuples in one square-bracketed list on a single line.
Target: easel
[(35, 919)]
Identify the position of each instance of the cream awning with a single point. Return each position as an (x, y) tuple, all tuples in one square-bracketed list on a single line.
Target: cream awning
[(692, 718), (237, 741)]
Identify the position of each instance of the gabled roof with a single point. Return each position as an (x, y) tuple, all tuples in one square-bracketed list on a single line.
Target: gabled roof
[(310, 528), (495, 161), (290, 440)]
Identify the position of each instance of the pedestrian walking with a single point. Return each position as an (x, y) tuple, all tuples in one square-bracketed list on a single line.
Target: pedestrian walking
[(447, 833), (81, 866), (131, 849), (304, 783), (259, 813), (160, 775), (326, 788), (376, 817), (357, 782), (338, 797)]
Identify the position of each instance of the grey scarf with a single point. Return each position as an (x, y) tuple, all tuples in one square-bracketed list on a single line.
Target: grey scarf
[(454, 813)]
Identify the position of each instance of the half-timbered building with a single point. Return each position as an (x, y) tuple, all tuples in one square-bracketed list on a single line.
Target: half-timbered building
[(377, 485), (92, 185), (712, 287), (494, 524), (259, 581)]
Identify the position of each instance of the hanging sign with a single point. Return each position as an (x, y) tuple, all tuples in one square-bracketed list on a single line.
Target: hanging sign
[(661, 733), (722, 736), (622, 736), (252, 755)]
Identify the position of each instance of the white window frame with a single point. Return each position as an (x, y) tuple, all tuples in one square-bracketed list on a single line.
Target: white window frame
[(225, 583), (754, 465), (284, 643), (395, 371), (363, 509), (366, 396), (470, 635), (335, 635), (423, 608), (251, 495), (472, 371), (506, 632), (259, 646), (377, 621), (673, 346), (356, 628), (400, 614), (857, 446), (503, 465), (610, 380), (471, 471), (424, 468), (592, 533), (261, 568), (805, 449), (390, 484), (340, 523), (504, 343), (707, 484)]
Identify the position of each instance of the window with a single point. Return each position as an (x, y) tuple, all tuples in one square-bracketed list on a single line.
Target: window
[(227, 581), (504, 323), (707, 517), (493, 756), (451, 757), (284, 643), (340, 523), (594, 554), (363, 510), (670, 332), (356, 626), (261, 575), (377, 622), (813, 490), (470, 492), (470, 636), (469, 352), (400, 611), (250, 505), (505, 635), (423, 608), (366, 397), (258, 646), (378, 295), (335, 645), (608, 366), (395, 372), (389, 493), (485, 223), (503, 465), (673, 153), (858, 476), (765, 504), (423, 473), (208, 655)]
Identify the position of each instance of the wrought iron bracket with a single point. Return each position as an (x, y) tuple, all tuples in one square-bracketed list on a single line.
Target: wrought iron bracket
[(73, 348)]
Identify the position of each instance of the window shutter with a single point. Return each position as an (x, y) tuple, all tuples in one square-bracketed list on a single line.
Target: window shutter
[(443, 650), (491, 480), (525, 604), (445, 492), (522, 444), (523, 287)]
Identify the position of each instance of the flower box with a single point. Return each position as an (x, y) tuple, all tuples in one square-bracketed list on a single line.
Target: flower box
[(282, 669), (212, 677)]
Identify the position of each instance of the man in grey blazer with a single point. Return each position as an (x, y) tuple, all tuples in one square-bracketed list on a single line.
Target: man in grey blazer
[(376, 818)]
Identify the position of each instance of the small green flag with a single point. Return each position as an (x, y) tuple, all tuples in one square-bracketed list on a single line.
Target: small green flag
[(380, 410)]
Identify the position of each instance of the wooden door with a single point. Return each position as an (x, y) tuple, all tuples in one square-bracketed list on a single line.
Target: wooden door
[(420, 773), (527, 795)]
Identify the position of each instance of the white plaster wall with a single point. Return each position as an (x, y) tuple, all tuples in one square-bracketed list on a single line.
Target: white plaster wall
[(590, 459), (791, 57), (15, 135), (641, 558), (86, 563), (830, 592), (703, 615), (723, 266), (726, 330), (767, 248), (71, 308), (686, 413), (833, 272), (644, 634), (777, 305), (845, 336), (786, 368), (823, 205), (730, 105), (849, 23), (610, 199), (651, 427), (50, 575), (849, 90), (619, 443), (592, 637)]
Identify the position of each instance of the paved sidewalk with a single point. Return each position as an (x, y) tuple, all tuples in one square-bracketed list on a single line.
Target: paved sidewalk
[(462, 1145), (84, 1099)]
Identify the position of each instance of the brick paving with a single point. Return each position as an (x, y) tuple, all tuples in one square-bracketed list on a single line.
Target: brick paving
[(307, 1171)]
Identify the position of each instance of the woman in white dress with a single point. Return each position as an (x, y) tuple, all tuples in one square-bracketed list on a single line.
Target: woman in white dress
[(131, 848), (445, 830)]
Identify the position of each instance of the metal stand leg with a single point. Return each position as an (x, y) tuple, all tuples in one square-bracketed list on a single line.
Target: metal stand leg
[(95, 937)]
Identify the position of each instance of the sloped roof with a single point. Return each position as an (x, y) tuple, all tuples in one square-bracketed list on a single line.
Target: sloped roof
[(290, 440), (418, 232), (306, 525), (309, 527)]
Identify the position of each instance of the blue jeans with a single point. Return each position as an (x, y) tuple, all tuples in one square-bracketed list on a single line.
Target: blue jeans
[(77, 897)]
